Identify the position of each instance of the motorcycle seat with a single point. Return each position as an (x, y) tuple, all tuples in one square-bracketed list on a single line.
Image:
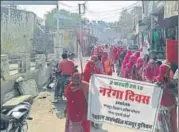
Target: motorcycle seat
[(17, 100)]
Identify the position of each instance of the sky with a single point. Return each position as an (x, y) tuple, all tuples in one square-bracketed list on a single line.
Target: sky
[(108, 11)]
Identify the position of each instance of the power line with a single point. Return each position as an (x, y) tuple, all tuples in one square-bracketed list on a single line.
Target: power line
[(72, 8), (90, 11), (116, 13), (62, 3)]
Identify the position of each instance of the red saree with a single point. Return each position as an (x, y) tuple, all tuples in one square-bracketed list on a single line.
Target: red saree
[(76, 107), (138, 69), (151, 71), (90, 69), (125, 62), (129, 67), (168, 99)]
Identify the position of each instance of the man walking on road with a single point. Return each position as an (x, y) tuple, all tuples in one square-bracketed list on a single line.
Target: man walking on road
[(66, 68)]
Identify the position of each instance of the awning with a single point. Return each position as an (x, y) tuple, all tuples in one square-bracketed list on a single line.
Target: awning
[(168, 22)]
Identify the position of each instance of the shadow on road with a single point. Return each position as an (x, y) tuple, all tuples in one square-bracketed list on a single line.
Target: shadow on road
[(59, 108), (98, 130)]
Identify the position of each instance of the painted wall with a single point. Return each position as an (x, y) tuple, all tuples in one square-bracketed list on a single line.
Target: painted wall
[(17, 29)]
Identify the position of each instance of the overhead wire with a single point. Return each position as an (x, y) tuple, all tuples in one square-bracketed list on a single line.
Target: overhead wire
[(112, 11), (72, 8), (107, 15), (110, 15)]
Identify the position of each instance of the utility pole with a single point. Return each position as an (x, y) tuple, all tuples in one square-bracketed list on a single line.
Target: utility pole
[(80, 54), (58, 47)]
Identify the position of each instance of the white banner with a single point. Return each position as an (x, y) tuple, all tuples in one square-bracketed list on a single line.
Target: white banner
[(124, 102)]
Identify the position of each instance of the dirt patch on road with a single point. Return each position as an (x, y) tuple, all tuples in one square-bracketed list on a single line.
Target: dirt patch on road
[(44, 115)]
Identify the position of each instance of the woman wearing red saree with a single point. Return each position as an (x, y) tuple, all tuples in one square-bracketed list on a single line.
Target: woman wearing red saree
[(137, 54), (168, 101), (129, 67), (98, 64), (137, 69), (151, 69), (76, 108), (124, 63), (89, 70)]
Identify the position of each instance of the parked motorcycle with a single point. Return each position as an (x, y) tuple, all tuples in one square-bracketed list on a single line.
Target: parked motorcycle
[(14, 118)]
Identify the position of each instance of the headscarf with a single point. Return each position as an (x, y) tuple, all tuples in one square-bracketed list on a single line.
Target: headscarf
[(151, 70), (126, 58), (89, 70), (137, 54), (125, 62), (76, 78), (131, 62), (164, 72), (128, 69), (139, 63), (94, 58)]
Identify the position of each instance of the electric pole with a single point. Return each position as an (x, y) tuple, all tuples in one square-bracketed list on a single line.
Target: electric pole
[(58, 47), (80, 54)]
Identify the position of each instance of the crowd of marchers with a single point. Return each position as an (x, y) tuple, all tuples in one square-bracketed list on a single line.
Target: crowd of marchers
[(110, 60)]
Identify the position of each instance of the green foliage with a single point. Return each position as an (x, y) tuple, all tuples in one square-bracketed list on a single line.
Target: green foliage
[(125, 24), (51, 22)]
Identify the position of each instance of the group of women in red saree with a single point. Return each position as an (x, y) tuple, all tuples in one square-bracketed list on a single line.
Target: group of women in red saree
[(130, 65), (76, 93), (146, 68)]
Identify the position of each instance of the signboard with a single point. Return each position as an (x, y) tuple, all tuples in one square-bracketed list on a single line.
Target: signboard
[(172, 51), (24, 2), (171, 9), (124, 102)]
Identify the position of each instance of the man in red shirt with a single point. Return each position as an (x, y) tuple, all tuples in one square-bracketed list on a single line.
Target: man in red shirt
[(66, 68)]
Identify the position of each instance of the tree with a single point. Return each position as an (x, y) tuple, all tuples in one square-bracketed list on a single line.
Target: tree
[(69, 20), (125, 24)]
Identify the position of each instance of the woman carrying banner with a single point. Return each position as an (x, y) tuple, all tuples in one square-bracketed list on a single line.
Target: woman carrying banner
[(76, 108), (167, 119)]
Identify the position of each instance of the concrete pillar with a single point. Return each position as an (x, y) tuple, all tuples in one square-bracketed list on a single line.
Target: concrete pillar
[(51, 57), (40, 59), (25, 62), (4, 66)]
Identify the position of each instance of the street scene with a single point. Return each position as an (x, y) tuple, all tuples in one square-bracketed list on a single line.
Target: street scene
[(89, 66)]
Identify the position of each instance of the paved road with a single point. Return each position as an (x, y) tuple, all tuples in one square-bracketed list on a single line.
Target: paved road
[(106, 127), (46, 117), (45, 120)]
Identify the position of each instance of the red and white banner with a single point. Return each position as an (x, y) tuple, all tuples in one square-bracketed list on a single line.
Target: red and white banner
[(124, 102)]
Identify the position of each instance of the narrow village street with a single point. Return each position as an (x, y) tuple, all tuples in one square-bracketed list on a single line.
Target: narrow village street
[(46, 118), (47, 115), (116, 63)]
